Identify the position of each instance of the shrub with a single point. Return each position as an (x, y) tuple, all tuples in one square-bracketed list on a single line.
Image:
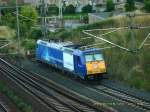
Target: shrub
[(70, 9), (130, 5), (87, 9), (147, 5), (110, 5), (52, 10), (28, 44), (35, 34)]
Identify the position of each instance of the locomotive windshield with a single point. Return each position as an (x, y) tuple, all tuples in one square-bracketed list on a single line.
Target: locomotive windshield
[(93, 57)]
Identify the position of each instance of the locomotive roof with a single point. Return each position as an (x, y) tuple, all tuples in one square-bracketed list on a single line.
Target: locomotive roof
[(57, 45), (65, 45)]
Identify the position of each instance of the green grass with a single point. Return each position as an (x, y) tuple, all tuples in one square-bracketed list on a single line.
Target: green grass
[(6, 33), (74, 16), (20, 103)]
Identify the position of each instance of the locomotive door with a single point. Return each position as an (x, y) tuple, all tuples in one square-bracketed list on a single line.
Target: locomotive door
[(79, 66)]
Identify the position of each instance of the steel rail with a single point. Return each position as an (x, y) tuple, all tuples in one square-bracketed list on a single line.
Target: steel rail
[(2, 108)]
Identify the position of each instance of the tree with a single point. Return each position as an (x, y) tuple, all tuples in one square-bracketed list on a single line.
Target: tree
[(28, 18), (70, 9), (147, 5), (53, 10), (110, 5), (130, 5), (87, 9), (9, 20), (35, 34), (12, 2)]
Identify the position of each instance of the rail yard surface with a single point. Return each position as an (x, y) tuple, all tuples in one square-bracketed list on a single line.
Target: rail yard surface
[(99, 91), (50, 94)]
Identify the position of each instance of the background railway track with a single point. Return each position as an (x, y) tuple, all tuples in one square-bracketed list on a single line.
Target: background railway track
[(125, 90), (124, 97), (53, 98)]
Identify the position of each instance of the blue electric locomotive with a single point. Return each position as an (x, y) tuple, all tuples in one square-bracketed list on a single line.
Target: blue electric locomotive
[(85, 63)]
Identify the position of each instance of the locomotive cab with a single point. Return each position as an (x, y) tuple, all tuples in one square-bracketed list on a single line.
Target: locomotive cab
[(95, 64)]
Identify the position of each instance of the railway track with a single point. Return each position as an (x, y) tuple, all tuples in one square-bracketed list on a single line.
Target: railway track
[(51, 96), (2, 108), (122, 96)]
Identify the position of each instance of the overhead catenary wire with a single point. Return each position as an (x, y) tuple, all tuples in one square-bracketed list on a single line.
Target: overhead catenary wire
[(23, 16), (107, 47), (119, 28), (92, 45), (142, 44), (147, 44), (98, 37), (86, 38), (115, 29), (6, 45), (12, 53), (10, 7)]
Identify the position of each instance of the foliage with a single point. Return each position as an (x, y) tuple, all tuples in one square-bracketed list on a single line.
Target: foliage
[(147, 5), (35, 34), (64, 35), (87, 9), (24, 106), (12, 2), (52, 10), (9, 20), (139, 0), (70, 9), (130, 5), (29, 44), (28, 19), (110, 6), (105, 23)]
